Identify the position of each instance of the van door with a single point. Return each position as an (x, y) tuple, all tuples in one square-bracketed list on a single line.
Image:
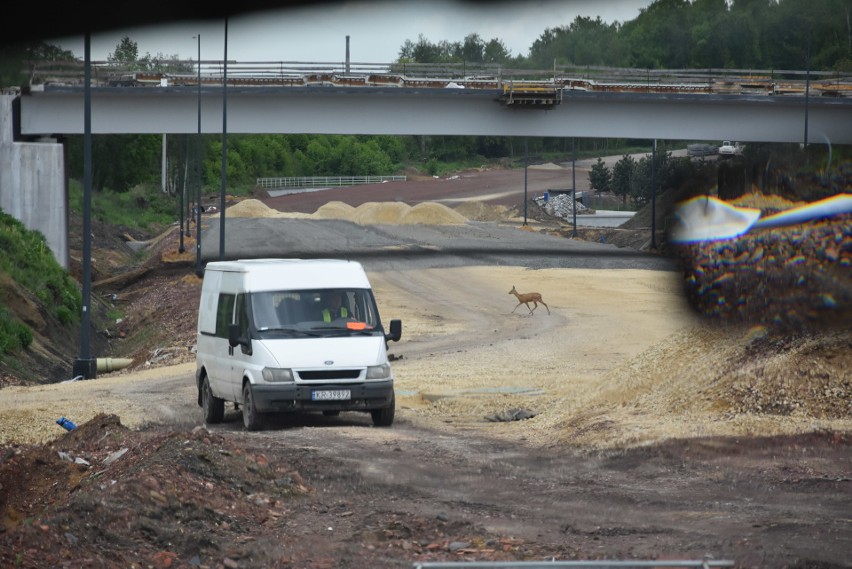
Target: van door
[(217, 350), (240, 356)]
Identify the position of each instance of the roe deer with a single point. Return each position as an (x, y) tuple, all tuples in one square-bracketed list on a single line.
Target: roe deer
[(526, 298)]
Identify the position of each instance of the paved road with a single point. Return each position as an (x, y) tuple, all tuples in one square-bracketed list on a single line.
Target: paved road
[(386, 246)]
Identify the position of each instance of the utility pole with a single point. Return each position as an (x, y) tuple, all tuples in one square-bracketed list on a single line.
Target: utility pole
[(224, 149), (198, 271), (574, 183), (526, 164), (85, 366), (654, 196)]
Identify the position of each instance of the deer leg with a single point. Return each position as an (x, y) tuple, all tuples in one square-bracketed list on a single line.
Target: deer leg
[(514, 309), (546, 306)]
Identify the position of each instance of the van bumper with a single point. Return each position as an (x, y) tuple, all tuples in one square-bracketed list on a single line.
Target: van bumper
[(269, 398)]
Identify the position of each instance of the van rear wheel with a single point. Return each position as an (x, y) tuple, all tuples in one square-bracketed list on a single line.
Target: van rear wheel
[(252, 419), (214, 408), (384, 417)]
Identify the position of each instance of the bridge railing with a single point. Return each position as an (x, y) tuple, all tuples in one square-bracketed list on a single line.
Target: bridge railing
[(323, 181), (469, 75)]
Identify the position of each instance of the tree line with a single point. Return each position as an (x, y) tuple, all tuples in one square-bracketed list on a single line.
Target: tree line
[(676, 34)]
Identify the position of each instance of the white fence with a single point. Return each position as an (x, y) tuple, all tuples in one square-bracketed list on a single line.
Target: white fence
[(324, 181)]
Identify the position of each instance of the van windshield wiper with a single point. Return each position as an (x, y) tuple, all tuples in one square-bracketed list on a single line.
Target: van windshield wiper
[(288, 329)]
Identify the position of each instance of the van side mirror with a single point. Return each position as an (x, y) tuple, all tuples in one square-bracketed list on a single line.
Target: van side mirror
[(234, 338), (395, 331)]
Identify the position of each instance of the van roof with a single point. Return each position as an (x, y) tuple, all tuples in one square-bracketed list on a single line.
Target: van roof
[(294, 274)]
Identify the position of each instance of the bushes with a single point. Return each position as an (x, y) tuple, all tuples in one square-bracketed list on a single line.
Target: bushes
[(29, 262), (14, 335)]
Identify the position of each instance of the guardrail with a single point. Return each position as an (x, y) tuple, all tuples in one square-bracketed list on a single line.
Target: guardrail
[(324, 181), (462, 74)]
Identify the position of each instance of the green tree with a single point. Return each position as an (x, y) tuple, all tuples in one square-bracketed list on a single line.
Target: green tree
[(496, 52), (119, 161), (16, 61), (584, 42), (126, 56), (622, 177), (473, 49), (126, 52), (600, 177)]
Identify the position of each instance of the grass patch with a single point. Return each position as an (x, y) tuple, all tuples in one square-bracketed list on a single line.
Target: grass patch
[(142, 207), (28, 261)]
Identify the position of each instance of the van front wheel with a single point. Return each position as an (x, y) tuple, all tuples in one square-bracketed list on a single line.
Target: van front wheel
[(214, 408), (252, 419), (384, 417)]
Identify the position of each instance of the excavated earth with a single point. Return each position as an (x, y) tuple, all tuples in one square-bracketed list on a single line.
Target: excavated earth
[(635, 417)]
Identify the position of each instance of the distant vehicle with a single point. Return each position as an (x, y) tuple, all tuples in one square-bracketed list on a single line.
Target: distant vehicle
[(701, 149), (729, 148)]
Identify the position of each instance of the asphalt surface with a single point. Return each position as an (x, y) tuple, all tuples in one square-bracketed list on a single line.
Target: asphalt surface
[(381, 247)]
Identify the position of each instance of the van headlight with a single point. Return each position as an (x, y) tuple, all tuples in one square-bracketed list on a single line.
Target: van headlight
[(275, 374), (378, 372)]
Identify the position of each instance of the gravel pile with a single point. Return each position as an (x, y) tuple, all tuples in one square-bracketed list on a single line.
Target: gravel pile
[(561, 205), (793, 278)]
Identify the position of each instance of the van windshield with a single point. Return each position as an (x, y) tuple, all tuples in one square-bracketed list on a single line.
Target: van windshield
[(307, 311)]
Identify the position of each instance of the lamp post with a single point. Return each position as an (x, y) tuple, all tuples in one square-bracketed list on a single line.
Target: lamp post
[(85, 365), (224, 148), (574, 185), (198, 270), (654, 196), (526, 164), (182, 183)]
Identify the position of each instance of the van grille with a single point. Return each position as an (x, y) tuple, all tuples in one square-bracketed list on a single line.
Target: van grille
[(330, 374)]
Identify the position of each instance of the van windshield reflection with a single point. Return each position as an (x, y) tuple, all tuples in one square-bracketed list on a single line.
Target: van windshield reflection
[(315, 312)]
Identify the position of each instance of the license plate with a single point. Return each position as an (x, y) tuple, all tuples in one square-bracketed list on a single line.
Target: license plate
[(331, 395)]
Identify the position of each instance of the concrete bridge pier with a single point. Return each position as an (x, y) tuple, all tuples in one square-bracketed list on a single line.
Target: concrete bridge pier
[(33, 183)]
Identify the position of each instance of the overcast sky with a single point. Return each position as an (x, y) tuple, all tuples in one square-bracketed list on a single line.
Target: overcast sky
[(376, 28)]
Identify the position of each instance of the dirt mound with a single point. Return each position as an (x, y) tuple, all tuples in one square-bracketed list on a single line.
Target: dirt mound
[(379, 212), (481, 211), (334, 210), (256, 208), (430, 213), (391, 213)]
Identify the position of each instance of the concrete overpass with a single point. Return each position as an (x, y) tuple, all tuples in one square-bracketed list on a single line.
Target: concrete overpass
[(428, 111)]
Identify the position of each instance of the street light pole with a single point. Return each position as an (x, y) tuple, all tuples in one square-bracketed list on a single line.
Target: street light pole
[(526, 164), (574, 184), (182, 183), (654, 196), (224, 149), (85, 366), (198, 270)]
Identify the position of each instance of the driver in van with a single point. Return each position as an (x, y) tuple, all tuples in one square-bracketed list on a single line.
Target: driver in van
[(334, 308)]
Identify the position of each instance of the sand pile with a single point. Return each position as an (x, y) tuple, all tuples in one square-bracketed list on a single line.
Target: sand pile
[(256, 208), (547, 166), (389, 213), (251, 208), (334, 210), (430, 213), (481, 211), (379, 212)]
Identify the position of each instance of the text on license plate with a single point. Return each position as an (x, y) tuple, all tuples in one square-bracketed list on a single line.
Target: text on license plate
[(331, 395)]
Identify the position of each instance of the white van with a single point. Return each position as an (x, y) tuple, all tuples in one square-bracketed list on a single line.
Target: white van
[(271, 338)]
